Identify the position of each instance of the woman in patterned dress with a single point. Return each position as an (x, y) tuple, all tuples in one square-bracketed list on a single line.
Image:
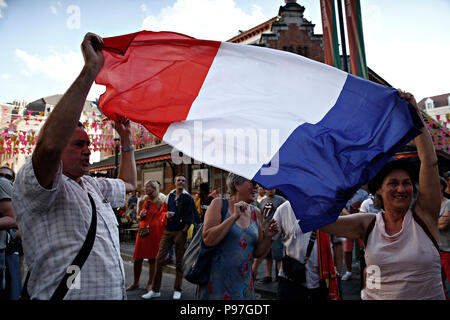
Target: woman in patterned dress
[(239, 239)]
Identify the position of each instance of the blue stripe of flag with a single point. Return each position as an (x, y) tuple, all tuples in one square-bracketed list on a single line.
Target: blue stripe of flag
[(322, 165)]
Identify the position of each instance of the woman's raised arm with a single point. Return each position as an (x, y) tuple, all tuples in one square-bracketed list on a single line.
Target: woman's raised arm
[(428, 201)]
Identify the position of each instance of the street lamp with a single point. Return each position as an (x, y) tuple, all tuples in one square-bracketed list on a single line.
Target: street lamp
[(116, 157)]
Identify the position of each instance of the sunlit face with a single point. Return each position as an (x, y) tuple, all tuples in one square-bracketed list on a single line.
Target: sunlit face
[(75, 156), (246, 191), (261, 191), (396, 190), (150, 190), (180, 182)]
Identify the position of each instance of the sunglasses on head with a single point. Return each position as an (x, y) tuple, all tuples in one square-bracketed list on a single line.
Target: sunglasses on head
[(7, 176)]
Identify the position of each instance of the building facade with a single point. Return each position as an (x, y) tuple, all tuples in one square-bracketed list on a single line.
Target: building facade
[(19, 134), (437, 107)]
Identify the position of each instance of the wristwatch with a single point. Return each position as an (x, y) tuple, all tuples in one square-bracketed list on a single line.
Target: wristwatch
[(127, 148)]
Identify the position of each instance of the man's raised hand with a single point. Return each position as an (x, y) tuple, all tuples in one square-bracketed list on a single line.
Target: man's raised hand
[(92, 51)]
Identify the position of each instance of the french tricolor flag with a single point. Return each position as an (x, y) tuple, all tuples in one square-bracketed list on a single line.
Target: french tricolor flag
[(280, 119)]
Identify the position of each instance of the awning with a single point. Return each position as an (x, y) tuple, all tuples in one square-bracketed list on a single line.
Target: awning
[(406, 155), (153, 159), (141, 161), (154, 153)]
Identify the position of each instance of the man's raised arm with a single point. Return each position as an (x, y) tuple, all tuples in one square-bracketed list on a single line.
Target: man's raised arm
[(63, 120)]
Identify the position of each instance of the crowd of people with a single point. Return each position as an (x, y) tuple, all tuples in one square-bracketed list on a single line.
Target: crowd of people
[(61, 221)]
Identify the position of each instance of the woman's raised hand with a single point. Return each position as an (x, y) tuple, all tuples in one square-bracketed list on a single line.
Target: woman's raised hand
[(239, 209)]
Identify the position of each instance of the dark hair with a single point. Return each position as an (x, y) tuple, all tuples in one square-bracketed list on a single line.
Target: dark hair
[(179, 175), (80, 125), (391, 165), (204, 187)]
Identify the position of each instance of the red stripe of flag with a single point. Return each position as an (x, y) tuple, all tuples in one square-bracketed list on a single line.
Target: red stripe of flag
[(156, 74)]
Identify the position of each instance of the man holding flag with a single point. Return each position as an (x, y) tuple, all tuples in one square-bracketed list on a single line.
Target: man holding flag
[(70, 235)]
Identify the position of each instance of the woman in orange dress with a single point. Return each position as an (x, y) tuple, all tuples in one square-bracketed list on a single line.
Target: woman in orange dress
[(153, 214)]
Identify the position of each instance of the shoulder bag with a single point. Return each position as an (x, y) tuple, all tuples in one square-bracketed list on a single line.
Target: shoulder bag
[(197, 258), (145, 230), (294, 270)]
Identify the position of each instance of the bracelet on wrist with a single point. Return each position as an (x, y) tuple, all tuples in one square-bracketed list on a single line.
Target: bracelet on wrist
[(127, 148)]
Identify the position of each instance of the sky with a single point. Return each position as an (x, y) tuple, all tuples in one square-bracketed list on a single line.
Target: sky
[(407, 41)]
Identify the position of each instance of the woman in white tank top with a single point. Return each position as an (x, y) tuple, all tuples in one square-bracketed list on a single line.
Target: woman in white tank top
[(402, 254)]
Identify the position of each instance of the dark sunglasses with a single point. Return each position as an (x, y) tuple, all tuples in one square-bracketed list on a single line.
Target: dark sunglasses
[(7, 176), (254, 183)]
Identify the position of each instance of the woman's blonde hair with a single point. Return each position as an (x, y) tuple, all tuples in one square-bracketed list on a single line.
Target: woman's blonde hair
[(154, 184)]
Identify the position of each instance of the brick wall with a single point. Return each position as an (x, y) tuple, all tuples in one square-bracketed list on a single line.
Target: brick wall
[(300, 41)]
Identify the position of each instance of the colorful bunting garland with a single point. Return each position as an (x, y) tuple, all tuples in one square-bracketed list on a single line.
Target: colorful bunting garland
[(100, 131), (439, 132)]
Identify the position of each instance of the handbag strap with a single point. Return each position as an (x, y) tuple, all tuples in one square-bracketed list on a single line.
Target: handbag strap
[(81, 257), (312, 239), (79, 260), (146, 207), (224, 208)]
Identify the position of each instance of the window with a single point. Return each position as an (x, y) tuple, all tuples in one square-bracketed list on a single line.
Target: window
[(155, 174), (429, 104)]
